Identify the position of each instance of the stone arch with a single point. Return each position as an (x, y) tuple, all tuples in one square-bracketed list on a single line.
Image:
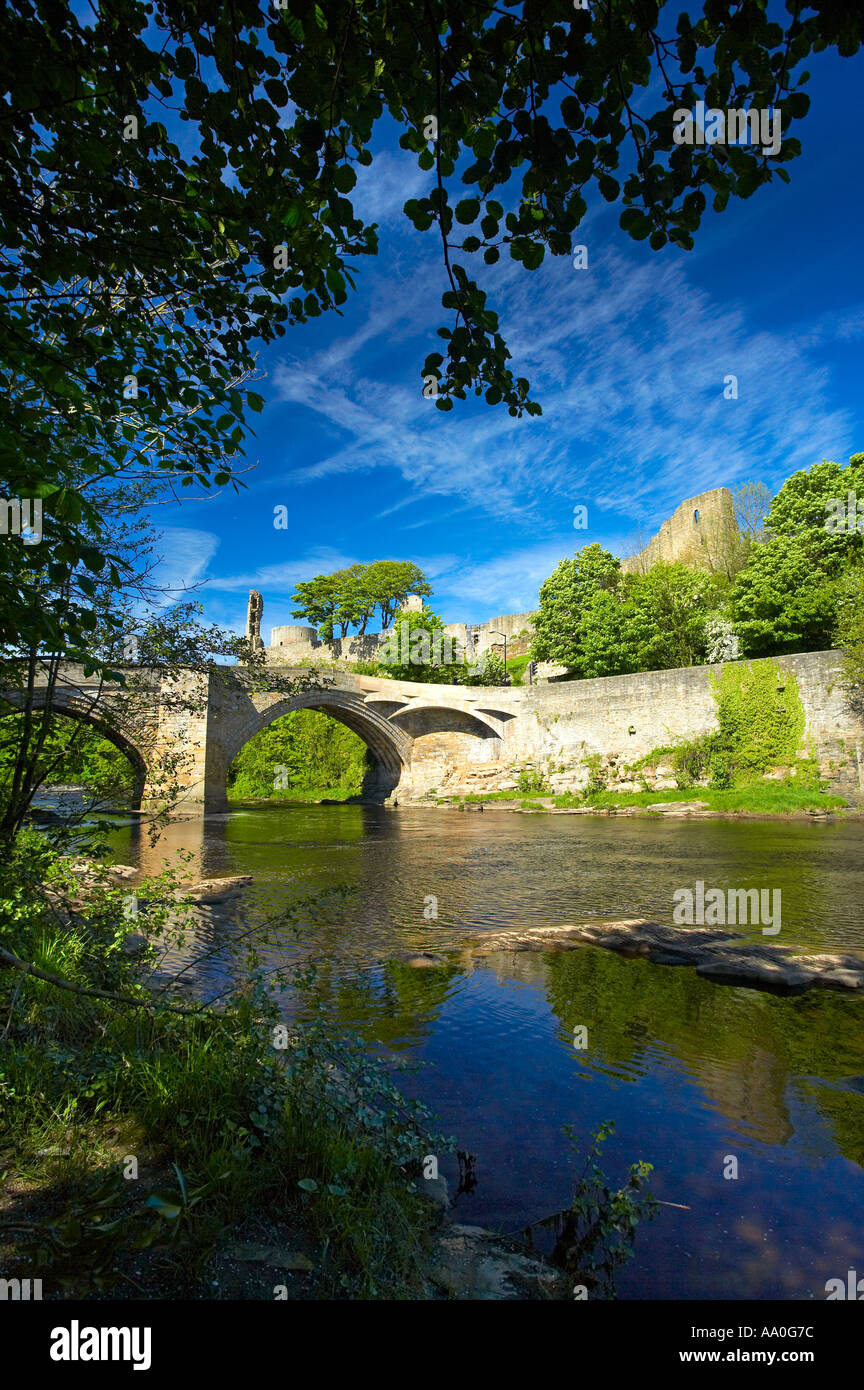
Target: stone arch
[(79, 707), (425, 716), (390, 746)]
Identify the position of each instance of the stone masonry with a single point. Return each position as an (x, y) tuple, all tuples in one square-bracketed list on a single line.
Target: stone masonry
[(455, 739), (702, 532)]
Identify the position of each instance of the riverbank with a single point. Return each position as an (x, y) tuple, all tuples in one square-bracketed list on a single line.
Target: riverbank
[(156, 1148), (760, 800), (149, 1143)]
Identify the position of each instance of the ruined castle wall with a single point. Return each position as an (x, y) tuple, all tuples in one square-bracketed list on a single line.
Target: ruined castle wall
[(701, 532)]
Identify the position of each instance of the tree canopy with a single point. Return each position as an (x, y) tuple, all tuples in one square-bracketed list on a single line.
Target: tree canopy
[(349, 597), (793, 592), (175, 183)]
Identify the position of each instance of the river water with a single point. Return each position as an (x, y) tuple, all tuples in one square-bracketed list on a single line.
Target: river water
[(693, 1074)]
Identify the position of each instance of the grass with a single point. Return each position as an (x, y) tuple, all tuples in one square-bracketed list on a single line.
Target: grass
[(298, 794), (516, 668), (759, 798)]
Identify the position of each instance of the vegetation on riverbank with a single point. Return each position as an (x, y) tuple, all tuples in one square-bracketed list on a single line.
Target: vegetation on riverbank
[(757, 798), (303, 756), (136, 1137)]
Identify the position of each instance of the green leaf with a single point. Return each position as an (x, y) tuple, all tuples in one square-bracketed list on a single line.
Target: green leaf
[(468, 210), (167, 1207), (344, 178), (308, 1184)]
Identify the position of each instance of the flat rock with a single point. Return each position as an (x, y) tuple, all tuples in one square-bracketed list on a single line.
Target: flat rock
[(473, 1264), (423, 960), (215, 890), (725, 957), (678, 808)]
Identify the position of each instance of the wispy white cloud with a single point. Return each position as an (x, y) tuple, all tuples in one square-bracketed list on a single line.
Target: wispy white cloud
[(183, 556), (283, 577), (510, 582), (384, 186), (629, 362)]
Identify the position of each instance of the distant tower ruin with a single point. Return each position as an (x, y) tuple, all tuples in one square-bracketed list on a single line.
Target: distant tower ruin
[(253, 620), (702, 532)]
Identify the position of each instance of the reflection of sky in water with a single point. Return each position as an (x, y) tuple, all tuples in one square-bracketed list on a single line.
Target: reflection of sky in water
[(689, 1071)]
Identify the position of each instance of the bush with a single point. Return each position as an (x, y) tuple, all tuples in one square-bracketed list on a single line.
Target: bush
[(315, 1135), (533, 783)]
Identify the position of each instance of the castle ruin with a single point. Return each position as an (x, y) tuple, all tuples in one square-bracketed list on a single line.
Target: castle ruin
[(702, 532)]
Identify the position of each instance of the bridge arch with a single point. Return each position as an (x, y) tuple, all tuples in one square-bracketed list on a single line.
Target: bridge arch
[(76, 705), (390, 746)]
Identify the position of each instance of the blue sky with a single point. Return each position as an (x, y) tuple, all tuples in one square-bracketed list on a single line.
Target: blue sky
[(627, 358)]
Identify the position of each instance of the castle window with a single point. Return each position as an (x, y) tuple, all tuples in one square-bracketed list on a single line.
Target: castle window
[(696, 514)]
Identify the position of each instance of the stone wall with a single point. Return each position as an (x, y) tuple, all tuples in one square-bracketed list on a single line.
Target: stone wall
[(619, 719), (701, 532), (301, 645)]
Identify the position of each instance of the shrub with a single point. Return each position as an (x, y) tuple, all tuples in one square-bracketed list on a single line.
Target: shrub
[(533, 782)]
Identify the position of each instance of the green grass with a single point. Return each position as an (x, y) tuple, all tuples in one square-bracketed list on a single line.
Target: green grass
[(761, 798), (516, 668), (295, 795), (758, 797)]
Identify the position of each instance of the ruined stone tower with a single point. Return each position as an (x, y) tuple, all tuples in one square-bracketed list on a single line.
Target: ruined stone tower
[(701, 532)]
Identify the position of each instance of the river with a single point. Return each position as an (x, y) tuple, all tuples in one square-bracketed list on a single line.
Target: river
[(692, 1073)]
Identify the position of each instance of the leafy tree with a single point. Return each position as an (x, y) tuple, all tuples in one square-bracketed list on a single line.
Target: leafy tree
[(421, 636), (564, 599), (320, 601), (781, 601), (605, 639), (357, 605), (388, 582), (650, 622), (801, 509), (349, 597), (130, 254), (666, 613)]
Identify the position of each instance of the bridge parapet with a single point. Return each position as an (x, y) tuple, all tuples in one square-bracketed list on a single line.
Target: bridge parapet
[(426, 737)]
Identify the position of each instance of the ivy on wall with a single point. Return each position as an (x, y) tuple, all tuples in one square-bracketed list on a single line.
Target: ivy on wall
[(760, 717)]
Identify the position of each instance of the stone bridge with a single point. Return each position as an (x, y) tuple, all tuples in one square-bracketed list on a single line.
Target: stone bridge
[(439, 737)]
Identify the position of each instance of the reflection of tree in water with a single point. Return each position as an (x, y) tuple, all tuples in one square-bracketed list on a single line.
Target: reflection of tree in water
[(393, 1008), (744, 1047)]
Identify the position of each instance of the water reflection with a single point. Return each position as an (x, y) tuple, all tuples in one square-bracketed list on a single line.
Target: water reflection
[(691, 1072)]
